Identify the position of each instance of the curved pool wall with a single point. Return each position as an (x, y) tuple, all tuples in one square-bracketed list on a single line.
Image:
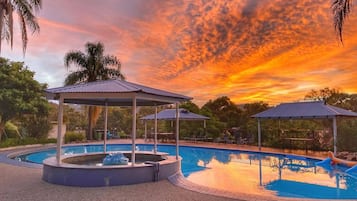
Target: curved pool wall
[(283, 175), (73, 171)]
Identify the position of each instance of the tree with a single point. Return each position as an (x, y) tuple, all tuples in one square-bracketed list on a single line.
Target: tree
[(190, 128), (119, 119), (20, 94), (248, 125), (341, 9), (214, 125), (92, 66), (76, 117), (225, 110), (347, 127), (25, 11), (321, 95), (190, 106), (334, 97)]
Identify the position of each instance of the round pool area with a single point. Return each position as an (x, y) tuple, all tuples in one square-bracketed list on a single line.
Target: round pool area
[(239, 172), (87, 170)]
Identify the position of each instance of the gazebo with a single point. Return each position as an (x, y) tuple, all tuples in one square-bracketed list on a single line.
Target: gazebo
[(170, 115), (113, 93), (304, 110)]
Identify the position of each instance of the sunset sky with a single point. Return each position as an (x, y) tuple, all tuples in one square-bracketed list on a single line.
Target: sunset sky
[(249, 50)]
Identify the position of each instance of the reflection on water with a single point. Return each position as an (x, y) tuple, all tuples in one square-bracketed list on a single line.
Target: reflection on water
[(264, 174)]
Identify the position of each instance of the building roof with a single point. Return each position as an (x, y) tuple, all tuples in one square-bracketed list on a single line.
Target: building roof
[(114, 93), (170, 114), (304, 110)]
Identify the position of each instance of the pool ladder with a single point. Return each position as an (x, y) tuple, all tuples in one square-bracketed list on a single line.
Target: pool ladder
[(156, 169)]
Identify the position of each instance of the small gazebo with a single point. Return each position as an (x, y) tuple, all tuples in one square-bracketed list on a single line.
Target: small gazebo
[(170, 115), (304, 110), (113, 93)]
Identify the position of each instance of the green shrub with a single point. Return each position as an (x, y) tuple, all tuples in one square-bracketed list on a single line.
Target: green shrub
[(347, 135), (36, 126), (11, 130), (72, 136), (10, 142), (122, 134)]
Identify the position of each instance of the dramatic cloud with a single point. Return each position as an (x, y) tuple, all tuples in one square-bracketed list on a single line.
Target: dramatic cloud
[(249, 50)]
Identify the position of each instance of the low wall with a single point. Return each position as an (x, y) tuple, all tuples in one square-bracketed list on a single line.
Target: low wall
[(112, 175)]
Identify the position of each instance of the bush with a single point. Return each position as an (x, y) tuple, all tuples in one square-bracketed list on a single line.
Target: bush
[(10, 142), (72, 136), (36, 126), (347, 135), (11, 130)]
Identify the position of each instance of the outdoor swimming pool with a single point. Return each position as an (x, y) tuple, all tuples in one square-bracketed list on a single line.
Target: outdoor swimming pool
[(242, 171)]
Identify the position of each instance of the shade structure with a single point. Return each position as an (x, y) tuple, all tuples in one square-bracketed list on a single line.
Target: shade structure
[(114, 93), (170, 114), (304, 110), (110, 93)]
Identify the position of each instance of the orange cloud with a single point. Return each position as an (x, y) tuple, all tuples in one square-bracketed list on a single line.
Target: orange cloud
[(255, 50), (249, 50)]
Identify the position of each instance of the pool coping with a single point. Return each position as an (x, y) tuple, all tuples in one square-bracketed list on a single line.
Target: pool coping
[(7, 154), (177, 179)]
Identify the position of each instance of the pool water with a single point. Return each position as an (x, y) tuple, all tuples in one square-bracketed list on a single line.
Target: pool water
[(243, 171)]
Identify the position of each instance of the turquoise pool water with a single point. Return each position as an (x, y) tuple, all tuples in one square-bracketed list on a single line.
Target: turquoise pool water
[(243, 171)]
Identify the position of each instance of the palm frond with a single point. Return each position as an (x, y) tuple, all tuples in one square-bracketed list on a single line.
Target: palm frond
[(95, 50), (110, 60), (341, 9), (113, 61), (36, 5), (10, 24), (95, 55), (109, 73), (23, 33), (6, 34), (96, 64), (25, 9), (75, 57), (2, 12), (76, 77)]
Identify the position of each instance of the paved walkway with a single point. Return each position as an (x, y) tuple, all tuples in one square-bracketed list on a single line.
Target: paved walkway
[(25, 184)]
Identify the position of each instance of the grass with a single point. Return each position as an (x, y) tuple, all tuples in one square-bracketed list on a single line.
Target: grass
[(11, 142)]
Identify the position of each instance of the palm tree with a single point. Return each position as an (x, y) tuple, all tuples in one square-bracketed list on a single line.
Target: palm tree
[(92, 66), (25, 10), (341, 9)]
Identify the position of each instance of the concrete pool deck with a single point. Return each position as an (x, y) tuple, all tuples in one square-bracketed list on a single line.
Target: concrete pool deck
[(25, 183)]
